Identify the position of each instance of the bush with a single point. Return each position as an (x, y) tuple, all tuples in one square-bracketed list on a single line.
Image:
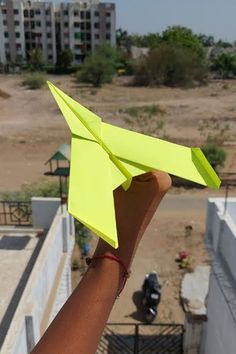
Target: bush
[(99, 67), (34, 81), (214, 154), (170, 65), (48, 189), (224, 65)]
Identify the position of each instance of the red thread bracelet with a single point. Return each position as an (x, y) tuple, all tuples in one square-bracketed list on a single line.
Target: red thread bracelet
[(113, 258)]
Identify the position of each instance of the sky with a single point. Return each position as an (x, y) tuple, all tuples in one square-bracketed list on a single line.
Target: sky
[(211, 17)]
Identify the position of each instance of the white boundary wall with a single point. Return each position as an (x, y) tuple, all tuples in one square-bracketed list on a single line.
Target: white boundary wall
[(53, 262), (220, 329)]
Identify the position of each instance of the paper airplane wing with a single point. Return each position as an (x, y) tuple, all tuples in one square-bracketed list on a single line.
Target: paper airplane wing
[(140, 153), (93, 177)]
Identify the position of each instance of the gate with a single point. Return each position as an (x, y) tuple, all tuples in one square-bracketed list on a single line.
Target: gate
[(141, 339), (15, 213)]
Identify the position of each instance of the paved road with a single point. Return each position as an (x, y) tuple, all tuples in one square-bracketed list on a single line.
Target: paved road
[(182, 203)]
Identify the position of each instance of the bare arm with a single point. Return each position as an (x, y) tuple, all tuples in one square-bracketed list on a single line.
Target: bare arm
[(79, 325)]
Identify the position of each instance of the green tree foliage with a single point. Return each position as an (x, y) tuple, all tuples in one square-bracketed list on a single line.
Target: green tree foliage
[(215, 155), (223, 44), (99, 67), (224, 65), (207, 41), (183, 37), (170, 65), (64, 59), (35, 59)]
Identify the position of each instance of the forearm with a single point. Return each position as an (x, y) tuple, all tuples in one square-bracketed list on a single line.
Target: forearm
[(79, 325)]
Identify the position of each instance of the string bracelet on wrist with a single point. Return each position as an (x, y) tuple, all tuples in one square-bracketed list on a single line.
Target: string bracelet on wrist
[(126, 272)]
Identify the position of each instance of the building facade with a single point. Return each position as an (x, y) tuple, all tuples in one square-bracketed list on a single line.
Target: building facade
[(50, 28)]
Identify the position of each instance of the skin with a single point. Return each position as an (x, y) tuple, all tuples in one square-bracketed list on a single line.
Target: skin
[(79, 325)]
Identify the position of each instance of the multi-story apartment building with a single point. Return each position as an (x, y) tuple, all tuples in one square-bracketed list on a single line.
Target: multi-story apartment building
[(12, 40), (49, 27), (39, 28), (83, 25)]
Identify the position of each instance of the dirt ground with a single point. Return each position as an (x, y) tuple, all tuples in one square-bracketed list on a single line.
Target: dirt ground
[(32, 128)]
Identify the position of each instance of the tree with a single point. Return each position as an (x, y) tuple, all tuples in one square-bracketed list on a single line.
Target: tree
[(35, 59), (185, 38), (225, 65), (214, 154), (223, 44), (99, 67), (64, 59), (170, 65), (123, 39), (207, 41)]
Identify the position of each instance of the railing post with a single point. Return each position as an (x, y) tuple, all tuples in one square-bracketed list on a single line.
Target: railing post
[(136, 339)]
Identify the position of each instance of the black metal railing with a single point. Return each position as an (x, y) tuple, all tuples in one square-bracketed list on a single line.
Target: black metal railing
[(138, 338), (15, 213)]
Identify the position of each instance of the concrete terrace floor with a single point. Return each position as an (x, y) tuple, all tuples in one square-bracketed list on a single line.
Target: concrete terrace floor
[(16, 258)]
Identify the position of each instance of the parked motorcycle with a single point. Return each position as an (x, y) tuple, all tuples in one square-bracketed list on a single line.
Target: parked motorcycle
[(151, 295)]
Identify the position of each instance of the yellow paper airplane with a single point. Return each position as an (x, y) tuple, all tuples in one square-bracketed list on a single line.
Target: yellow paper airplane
[(104, 157)]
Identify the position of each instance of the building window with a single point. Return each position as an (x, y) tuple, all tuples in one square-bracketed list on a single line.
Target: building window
[(96, 25), (66, 12), (82, 26), (6, 45), (88, 36), (88, 16), (82, 14), (16, 12), (77, 35), (18, 46), (27, 35), (26, 13), (16, 23), (17, 34), (37, 12), (4, 22), (26, 23), (108, 25), (88, 47), (108, 14), (76, 13), (31, 13), (49, 57), (108, 36), (48, 24), (76, 24), (38, 23), (47, 12), (4, 11), (97, 36), (6, 34), (66, 24), (96, 14), (49, 46), (49, 35), (88, 26)]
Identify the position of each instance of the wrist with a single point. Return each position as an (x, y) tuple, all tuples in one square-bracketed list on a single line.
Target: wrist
[(108, 257)]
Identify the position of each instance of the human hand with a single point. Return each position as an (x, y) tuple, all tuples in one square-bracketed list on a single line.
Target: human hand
[(134, 210)]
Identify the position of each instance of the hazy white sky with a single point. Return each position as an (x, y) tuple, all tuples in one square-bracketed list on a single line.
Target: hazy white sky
[(211, 17)]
